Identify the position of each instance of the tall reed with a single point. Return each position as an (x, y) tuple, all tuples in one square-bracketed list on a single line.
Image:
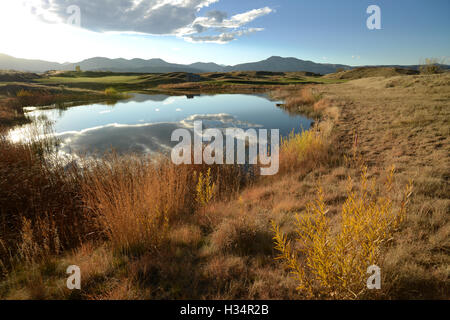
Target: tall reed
[(303, 151), (134, 200)]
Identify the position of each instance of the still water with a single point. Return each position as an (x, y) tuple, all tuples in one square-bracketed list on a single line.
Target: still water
[(144, 123)]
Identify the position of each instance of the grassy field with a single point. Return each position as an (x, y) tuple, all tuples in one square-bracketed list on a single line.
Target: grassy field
[(176, 79), (141, 230)]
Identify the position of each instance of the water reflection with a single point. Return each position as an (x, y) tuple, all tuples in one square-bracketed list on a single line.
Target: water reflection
[(144, 123)]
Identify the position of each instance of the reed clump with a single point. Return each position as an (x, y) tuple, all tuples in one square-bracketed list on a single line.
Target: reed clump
[(40, 202), (303, 151), (301, 101), (134, 200), (304, 96)]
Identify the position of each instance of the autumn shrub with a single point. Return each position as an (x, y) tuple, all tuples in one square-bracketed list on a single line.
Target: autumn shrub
[(430, 66), (205, 188), (111, 92), (329, 263), (305, 100)]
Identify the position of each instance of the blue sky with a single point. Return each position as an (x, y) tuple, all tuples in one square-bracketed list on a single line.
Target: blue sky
[(228, 31)]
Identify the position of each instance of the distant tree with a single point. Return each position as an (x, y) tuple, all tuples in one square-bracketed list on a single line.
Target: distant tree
[(78, 69)]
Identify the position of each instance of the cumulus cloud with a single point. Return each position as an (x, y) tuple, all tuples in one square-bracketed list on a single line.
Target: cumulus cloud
[(224, 30), (156, 17), (235, 21)]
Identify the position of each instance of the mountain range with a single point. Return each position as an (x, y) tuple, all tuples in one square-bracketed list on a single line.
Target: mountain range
[(273, 64)]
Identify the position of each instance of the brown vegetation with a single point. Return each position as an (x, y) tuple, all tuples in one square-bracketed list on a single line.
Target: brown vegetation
[(144, 229)]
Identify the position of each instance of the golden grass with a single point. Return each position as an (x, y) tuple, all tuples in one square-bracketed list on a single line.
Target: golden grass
[(306, 149), (304, 100), (134, 200)]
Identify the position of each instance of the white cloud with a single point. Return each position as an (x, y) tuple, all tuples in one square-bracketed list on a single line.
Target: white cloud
[(222, 38), (235, 21), (155, 17)]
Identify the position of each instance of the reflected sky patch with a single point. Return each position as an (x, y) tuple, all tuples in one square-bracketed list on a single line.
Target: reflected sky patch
[(144, 123)]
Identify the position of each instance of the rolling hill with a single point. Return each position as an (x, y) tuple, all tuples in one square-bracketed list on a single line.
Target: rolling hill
[(272, 64)]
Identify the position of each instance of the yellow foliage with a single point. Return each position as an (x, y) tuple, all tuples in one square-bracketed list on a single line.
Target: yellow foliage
[(305, 149), (205, 188), (299, 144), (24, 93), (334, 264), (111, 92)]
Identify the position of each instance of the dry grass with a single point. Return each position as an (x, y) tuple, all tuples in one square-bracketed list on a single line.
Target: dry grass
[(300, 100), (40, 204), (135, 226), (404, 121), (304, 150), (134, 200)]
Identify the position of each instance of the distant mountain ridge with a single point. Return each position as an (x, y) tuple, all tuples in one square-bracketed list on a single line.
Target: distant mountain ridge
[(273, 64), (279, 64)]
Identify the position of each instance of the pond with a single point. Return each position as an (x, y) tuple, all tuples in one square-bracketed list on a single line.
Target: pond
[(144, 123)]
